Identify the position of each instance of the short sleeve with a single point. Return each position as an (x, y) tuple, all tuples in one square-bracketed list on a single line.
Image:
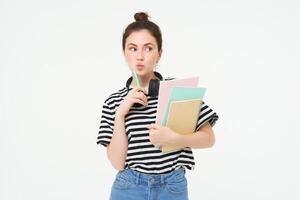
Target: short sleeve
[(106, 125), (206, 114)]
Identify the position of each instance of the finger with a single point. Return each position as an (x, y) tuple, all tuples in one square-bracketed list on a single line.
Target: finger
[(140, 102), (141, 97), (153, 141), (152, 136), (139, 89), (152, 132), (154, 126), (145, 103), (149, 126)]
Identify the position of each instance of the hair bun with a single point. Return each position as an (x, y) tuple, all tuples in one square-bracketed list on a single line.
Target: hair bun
[(141, 16)]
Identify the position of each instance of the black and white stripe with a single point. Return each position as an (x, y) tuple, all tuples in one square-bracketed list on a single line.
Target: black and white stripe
[(142, 155)]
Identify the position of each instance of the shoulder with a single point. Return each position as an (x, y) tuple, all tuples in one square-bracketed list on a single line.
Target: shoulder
[(112, 99)]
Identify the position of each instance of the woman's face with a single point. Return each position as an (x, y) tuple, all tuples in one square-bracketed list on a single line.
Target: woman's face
[(141, 52)]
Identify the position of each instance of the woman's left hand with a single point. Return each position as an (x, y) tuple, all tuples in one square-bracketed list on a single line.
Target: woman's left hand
[(160, 135)]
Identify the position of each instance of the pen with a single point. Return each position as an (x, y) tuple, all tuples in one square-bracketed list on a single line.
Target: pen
[(136, 78), (138, 83)]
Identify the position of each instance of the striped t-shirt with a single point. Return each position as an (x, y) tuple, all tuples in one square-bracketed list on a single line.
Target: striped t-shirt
[(142, 155)]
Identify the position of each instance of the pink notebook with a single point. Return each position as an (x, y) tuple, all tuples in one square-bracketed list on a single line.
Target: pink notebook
[(165, 90)]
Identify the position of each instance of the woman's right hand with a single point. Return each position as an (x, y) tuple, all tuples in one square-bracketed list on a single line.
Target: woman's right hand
[(136, 95)]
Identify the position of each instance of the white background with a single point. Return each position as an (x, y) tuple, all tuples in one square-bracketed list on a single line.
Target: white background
[(60, 59)]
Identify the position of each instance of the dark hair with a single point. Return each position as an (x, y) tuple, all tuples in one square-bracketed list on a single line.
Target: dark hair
[(142, 22)]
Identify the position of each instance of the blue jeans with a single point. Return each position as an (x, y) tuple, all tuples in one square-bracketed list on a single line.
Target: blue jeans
[(133, 185)]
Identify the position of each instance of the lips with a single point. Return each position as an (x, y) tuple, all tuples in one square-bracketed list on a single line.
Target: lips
[(139, 66)]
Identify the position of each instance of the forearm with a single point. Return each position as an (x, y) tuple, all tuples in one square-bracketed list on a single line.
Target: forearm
[(199, 139), (117, 149)]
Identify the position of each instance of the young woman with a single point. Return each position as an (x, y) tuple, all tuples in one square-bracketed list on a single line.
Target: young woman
[(129, 132)]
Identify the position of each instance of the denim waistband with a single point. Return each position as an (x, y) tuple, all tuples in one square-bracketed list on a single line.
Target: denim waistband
[(151, 179)]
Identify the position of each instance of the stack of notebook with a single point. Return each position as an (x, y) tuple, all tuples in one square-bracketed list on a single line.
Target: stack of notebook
[(179, 103)]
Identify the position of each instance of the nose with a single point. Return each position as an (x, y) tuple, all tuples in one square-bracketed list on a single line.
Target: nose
[(140, 55)]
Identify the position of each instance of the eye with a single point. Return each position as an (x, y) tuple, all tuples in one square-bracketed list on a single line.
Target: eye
[(148, 49), (132, 49)]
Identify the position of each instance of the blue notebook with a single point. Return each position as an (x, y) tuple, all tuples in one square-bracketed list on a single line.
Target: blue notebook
[(182, 93)]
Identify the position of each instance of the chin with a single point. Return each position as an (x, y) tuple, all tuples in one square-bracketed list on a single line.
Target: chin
[(145, 73)]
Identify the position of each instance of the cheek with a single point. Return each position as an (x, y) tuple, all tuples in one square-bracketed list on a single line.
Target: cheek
[(152, 59), (129, 57)]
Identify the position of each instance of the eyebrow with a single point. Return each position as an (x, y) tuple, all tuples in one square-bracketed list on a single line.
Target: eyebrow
[(149, 43)]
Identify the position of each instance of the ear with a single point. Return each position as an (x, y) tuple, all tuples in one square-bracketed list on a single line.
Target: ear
[(159, 54)]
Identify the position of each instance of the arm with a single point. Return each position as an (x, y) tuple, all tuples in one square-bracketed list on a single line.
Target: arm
[(117, 149), (203, 138)]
